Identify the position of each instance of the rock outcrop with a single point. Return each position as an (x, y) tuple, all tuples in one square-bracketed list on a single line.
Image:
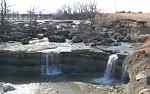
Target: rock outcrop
[(139, 70)]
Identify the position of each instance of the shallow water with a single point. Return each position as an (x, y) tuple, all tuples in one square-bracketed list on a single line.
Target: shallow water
[(65, 88)]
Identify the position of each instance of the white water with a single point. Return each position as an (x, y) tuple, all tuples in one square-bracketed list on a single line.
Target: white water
[(107, 78), (51, 69), (124, 77), (48, 66), (112, 60), (24, 88), (124, 73)]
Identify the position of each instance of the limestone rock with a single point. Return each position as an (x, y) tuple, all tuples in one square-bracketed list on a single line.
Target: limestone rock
[(139, 70)]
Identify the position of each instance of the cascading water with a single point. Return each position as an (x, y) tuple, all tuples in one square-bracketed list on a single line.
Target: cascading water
[(124, 77), (112, 60), (50, 68), (107, 78)]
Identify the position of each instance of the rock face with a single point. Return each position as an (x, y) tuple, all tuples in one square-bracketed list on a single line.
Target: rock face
[(19, 63), (76, 62), (139, 70), (83, 62)]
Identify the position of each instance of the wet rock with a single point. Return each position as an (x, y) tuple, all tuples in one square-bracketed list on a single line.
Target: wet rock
[(108, 42), (76, 39), (25, 41), (56, 38), (17, 35), (5, 88), (64, 33), (1, 88), (4, 38), (8, 88), (40, 36)]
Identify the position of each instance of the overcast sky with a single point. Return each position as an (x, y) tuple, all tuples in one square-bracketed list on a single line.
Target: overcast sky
[(48, 6)]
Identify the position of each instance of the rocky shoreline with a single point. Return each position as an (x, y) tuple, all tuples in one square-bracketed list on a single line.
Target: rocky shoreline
[(62, 88)]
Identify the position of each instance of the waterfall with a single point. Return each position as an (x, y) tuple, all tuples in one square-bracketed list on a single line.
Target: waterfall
[(107, 78), (47, 63), (49, 67), (124, 77), (42, 60), (112, 60)]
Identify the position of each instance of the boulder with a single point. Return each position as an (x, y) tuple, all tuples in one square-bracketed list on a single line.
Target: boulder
[(139, 70), (16, 36), (25, 41), (5, 88), (76, 39), (8, 88), (56, 38), (40, 36)]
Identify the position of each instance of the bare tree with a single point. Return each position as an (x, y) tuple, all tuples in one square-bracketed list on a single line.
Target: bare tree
[(81, 10), (5, 26), (32, 21), (3, 11), (67, 11), (90, 10), (31, 15)]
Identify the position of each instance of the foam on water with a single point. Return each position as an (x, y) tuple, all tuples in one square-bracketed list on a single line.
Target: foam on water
[(112, 59), (24, 88)]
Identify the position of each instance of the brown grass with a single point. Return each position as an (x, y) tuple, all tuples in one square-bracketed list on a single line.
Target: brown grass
[(109, 17)]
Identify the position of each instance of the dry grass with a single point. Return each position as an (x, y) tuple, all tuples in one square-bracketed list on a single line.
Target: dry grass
[(107, 18)]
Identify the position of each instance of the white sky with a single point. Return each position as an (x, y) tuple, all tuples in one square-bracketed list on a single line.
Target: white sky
[(47, 6)]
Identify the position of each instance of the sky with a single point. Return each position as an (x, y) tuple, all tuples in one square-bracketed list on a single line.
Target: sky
[(51, 6)]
